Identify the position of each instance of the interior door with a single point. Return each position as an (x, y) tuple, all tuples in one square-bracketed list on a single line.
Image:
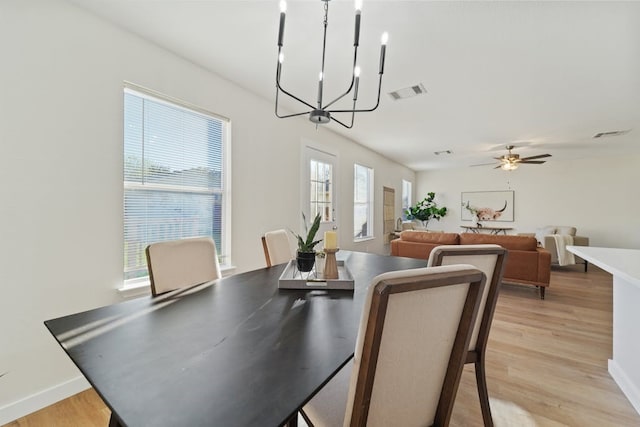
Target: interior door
[(319, 189)]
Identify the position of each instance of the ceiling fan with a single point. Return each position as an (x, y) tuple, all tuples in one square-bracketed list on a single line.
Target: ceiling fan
[(511, 161)]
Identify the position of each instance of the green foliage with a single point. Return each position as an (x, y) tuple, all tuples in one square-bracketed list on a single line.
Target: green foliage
[(306, 244), (426, 209)]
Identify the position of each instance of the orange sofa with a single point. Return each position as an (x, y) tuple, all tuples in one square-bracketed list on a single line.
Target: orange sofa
[(526, 263)]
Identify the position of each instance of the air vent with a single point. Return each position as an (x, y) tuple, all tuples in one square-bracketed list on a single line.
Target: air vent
[(408, 92), (437, 153), (611, 133)]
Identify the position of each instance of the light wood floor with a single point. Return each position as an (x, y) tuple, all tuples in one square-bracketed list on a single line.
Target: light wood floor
[(546, 363)]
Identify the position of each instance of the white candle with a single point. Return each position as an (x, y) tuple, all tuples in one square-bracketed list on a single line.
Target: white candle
[(330, 240)]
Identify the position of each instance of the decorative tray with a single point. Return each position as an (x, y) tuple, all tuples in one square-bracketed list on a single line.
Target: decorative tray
[(292, 278)]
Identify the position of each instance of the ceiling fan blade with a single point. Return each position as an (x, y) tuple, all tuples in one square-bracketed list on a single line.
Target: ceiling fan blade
[(534, 162), (498, 167), (540, 156), (484, 164)]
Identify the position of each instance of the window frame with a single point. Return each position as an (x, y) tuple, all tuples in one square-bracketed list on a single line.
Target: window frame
[(369, 203), (406, 185), (224, 191)]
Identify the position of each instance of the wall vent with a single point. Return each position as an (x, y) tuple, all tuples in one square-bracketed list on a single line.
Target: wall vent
[(408, 92), (611, 133), (437, 153)]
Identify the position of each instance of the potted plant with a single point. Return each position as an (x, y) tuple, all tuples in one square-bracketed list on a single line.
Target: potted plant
[(306, 255), (426, 209)]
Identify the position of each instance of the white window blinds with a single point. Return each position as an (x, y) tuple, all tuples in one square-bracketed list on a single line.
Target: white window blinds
[(173, 177)]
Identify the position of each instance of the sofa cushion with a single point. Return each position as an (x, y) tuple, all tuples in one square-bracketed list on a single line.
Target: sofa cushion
[(544, 231), (427, 237), (566, 230), (512, 243)]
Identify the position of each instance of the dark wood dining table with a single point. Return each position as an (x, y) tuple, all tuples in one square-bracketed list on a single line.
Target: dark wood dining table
[(237, 351)]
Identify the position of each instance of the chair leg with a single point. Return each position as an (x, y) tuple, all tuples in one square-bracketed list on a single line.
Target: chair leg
[(483, 394), (114, 421), (542, 288), (586, 264)]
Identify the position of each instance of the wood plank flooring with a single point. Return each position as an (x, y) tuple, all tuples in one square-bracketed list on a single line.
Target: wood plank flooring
[(546, 363)]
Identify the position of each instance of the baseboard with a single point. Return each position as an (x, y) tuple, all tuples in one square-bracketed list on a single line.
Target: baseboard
[(42, 399), (627, 387)]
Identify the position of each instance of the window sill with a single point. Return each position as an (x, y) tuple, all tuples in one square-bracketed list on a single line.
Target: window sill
[(363, 239), (138, 288)]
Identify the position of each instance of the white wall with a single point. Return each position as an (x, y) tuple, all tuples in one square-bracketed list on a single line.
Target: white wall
[(61, 190), (598, 196)]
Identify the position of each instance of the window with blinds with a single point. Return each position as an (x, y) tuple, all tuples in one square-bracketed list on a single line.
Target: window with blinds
[(362, 202), (174, 178)]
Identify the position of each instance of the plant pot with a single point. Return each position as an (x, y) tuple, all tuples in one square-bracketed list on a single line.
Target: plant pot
[(305, 261)]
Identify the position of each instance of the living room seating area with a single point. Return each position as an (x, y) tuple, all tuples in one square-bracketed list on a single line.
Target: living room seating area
[(527, 264)]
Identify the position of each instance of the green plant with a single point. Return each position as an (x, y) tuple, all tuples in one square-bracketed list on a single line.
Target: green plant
[(426, 209), (307, 243)]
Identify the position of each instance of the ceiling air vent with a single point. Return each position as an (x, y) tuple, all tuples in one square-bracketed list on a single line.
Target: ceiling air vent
[(437, 153), (408, 92), (611, 133)]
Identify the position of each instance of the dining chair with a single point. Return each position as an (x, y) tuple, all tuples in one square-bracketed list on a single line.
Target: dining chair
[(410, 350), (277, 249), (181, 263), (491, 260)]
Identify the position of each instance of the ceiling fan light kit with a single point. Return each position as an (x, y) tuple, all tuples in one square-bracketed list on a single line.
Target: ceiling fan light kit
[(320, 113), (510, 162)]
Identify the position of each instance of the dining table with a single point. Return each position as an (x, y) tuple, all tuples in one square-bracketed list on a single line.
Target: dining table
[(237, 351)]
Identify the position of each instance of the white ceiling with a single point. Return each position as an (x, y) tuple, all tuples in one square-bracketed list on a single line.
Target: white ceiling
[(544, 76)]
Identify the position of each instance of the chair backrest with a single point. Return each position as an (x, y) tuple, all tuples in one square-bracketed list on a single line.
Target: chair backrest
[(411, 346), (491, 260), (181, 263), (277, 249)]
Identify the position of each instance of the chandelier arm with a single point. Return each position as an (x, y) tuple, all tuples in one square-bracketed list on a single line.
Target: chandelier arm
[(367, 110), (288, 115), (279, 88), (292, 115), (353, 77), (340, 123)]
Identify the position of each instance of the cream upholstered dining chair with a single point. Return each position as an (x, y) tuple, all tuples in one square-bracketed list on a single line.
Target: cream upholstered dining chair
[(277, 249), (491, 260), (410, 351), (181, 263)]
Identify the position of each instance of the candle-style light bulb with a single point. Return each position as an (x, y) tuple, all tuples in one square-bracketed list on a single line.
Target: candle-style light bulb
[(383, 49), (281, 58), (320, 76), (283, 10), (356, 37), (356, 71)]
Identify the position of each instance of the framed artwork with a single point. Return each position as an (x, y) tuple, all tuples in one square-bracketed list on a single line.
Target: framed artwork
[(489, 205)]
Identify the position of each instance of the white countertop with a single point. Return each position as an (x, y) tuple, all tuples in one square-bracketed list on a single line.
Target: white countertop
[(619, 262)]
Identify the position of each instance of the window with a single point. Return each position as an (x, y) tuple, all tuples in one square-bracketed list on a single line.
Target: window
[(321, 195), (362, 202), (406, 197), (174, 177)]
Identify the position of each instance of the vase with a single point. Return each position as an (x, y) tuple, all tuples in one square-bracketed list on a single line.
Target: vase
[(305, 261)]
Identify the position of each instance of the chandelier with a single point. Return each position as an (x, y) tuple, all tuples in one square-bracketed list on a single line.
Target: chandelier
[(321, 113)]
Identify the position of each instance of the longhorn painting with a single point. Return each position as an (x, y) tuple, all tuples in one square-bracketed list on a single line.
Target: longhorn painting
[(488, 205)]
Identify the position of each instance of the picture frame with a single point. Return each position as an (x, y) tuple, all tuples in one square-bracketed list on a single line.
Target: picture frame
[(492, 206)]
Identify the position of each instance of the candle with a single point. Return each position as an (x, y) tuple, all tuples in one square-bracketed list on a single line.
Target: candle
[(330, 240)]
